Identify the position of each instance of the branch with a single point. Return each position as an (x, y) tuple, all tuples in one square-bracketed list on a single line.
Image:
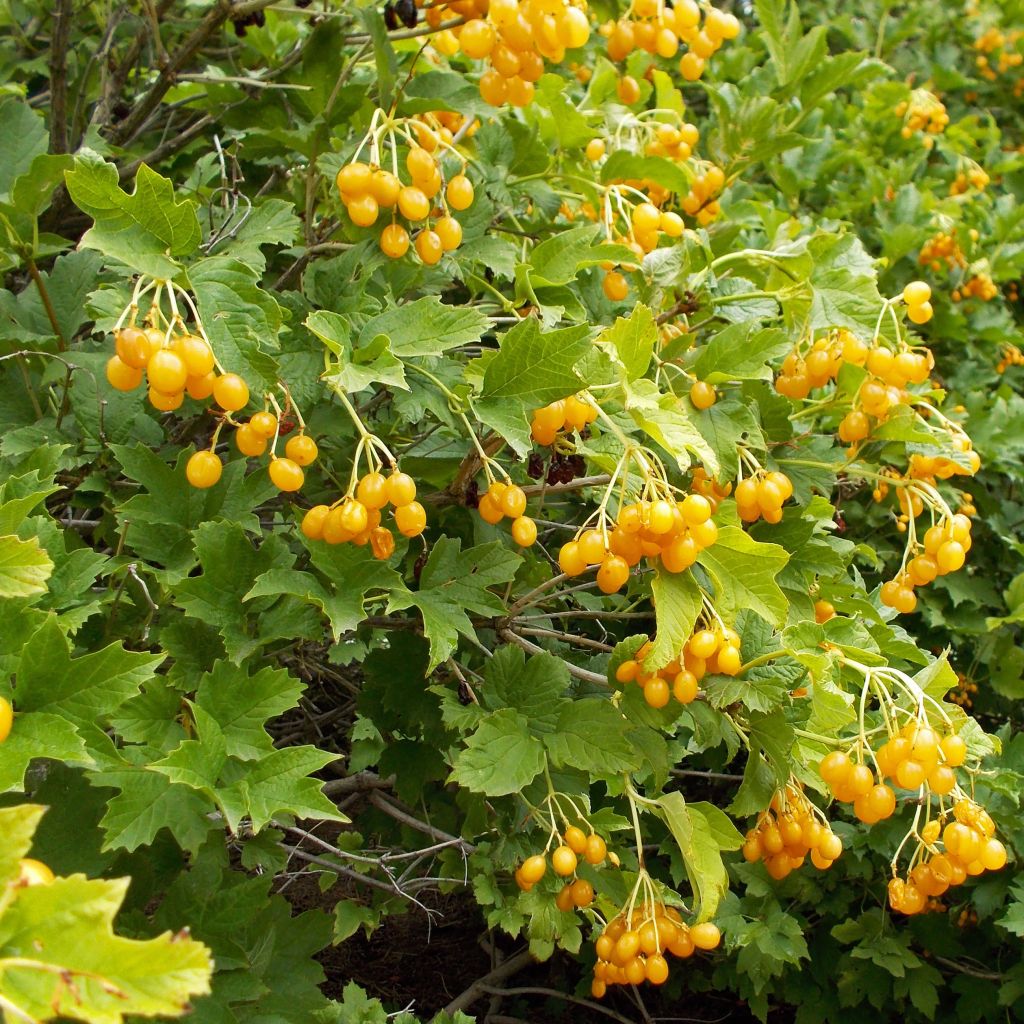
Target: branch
[(513, 965), (167, 148), (59, 77), (127, 129), (51, 313), (574, 670), (356, 783), (566, 638), (551, 993), (405, 818), (573, 485)]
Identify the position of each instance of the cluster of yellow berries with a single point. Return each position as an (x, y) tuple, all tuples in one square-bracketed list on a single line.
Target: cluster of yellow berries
[(672, 532), (923, 112), (992, 40), (659, 29), (567, 414), (503, 500), (762, 496), (969, 848), (204, 468), (367, 190), (632, 947), (713, 649), (709, 488), (356, 518), (963, 694), (564, 861), (788, 831), (515, 37), (803, 369), (174, 363), (980, 286), (942, 247), (915, 758), (1011, 356), (944, 551), (974, 177)]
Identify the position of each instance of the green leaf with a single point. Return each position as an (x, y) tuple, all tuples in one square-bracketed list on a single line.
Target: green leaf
[(632, 338), (17, 826), (667, 421), (623, 165), (454, 582), (23, 137), (744, 572), (24, 567), (589, 737), (557, 260), (356, 367), (145, 229), (500, 757), (534, 367), (241, 319), (677, 603), (241, 704), (697, 839), (424, 327), (230, 566), (38, 735), (741, 352), (62, 959)]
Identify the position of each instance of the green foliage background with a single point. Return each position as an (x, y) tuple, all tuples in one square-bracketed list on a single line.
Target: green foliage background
[(196, 686)]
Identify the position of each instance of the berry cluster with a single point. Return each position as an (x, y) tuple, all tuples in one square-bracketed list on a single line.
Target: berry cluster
[(422, 197), (943, 550), (762, 495), (923, 112), (969, 848), (942, 248), (979, 286), (660, 28), (564, 859), (674, 532), (788, 831), (503, 500), (357, 518), (515, 38), (972, 176), (1011, 356), (990, 65), (552, 421), (632, 945)]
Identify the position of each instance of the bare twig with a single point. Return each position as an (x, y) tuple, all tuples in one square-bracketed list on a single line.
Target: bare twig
[(356, 783), (574, 670), (389, 808), (59, 77), (566, 638), (44, 295), (551, 993), (513, 965)]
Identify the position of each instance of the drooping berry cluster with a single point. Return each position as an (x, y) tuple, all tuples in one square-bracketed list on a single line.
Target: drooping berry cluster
[(668, 532), (632, 946), (762, 496), (515, 37), (423, 196), (788, 831), (564, 861), (552, 422), (508, 500), (660, 29), (356, 518), (923, 112), (943, 550), (968, 848)]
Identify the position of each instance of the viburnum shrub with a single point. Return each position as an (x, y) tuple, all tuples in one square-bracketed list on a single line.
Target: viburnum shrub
[(579, 470)]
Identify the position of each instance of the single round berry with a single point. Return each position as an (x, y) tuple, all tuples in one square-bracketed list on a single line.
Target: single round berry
[(203, 469), (411, 519), (230, 392), (167, 372), (285, 474), (301, 449)]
